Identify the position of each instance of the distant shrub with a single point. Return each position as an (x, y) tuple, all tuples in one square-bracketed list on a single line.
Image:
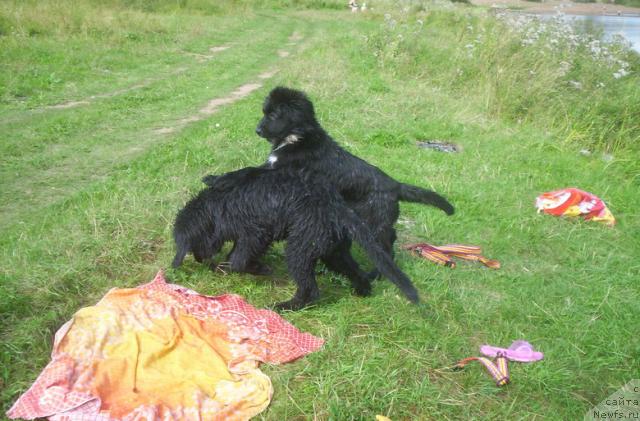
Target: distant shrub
[(632, 3), (222, 6), (5, 26)]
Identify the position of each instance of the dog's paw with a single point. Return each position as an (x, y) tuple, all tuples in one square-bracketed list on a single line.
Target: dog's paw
[(259, 269), (291, 305), (297, 303), (373, 275), (220, 267), (362, 291)]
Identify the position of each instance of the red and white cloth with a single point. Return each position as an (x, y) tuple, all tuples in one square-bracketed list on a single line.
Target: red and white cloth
[(574, 202), (163, 352)]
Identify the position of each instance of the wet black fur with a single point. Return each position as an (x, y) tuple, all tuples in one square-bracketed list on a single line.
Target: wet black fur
[(254, 207), (371, 193)]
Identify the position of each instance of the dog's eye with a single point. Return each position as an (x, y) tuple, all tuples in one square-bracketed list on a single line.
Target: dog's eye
[(272, 116)]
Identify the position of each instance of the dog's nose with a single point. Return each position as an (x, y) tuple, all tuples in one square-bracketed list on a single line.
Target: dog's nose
[(259, 131)]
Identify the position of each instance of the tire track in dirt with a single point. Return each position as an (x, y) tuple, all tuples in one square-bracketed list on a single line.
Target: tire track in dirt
[(77, 103), (212, 107), (201, 58), (206, 57), (92, 98), (239, 93), (80, 168), (292, 40), (295, 37)]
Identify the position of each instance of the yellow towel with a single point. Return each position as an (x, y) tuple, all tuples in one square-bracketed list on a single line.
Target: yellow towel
[(161, 351)]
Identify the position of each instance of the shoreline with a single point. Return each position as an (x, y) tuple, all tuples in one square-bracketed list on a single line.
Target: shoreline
[(568, 8)]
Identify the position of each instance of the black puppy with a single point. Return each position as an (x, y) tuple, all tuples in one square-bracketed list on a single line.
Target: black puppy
[(254, 207), (298, 141)]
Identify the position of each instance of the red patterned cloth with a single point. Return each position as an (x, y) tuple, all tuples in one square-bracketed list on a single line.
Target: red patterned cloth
[(162, 351), (574, 202)]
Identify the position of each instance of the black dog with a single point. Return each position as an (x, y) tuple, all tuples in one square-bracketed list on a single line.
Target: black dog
[(254, 207), (298, 141)]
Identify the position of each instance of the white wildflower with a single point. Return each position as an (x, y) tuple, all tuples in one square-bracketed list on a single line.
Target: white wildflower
[(575, 84), (620, 73)]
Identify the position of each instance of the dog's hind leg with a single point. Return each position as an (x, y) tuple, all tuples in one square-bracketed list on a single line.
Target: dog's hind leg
[(380, 218), (340, 260), (244, 257), (204, 250), (386, 238), (301, 266)]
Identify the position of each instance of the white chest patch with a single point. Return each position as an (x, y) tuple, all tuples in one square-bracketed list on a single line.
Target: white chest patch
[(272, 159)]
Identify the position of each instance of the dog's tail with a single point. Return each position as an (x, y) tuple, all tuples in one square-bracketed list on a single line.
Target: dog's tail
[(177, 260), (183, 249), (409, 193), (382, 260)]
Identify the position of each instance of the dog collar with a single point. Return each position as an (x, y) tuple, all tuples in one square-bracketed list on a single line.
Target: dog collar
[(289, 140)]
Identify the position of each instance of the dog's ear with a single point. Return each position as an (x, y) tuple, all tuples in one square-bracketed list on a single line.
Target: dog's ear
[(210, 179), (293, 98), (283, 95)]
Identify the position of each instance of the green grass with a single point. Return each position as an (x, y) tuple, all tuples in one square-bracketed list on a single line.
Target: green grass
[(632, 3), (89, 194)]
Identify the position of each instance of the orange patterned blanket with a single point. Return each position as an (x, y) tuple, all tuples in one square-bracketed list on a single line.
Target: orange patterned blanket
[(161, 351)]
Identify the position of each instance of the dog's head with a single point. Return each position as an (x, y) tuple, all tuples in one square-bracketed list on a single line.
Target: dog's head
[(287, 112)]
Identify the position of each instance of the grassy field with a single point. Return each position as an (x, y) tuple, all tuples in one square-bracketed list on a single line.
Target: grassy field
[(105, 132), (633, 3)]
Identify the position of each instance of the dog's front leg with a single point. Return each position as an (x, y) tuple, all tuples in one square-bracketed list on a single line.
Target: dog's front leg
[(302, 271), (340, 261), (244, 257)]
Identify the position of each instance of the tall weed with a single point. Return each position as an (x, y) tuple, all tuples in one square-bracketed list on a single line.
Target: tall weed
[(519, 68)]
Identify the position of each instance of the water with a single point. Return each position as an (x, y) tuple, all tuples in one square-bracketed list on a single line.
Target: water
[(626, 26)]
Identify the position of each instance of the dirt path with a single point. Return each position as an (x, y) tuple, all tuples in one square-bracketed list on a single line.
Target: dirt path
[(241, 92), (89, 100), (206, 57), (201, 58), (213, 106), (76, 168), (293, 39)]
